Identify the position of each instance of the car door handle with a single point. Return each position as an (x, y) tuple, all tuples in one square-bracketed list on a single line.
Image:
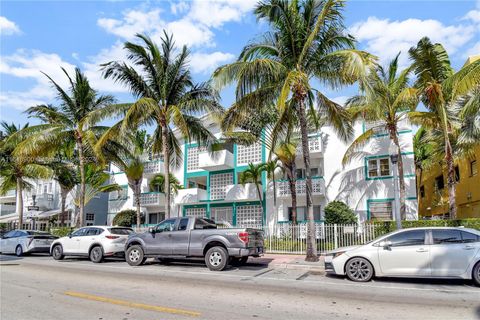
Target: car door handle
[(422, 250), (468, 248)]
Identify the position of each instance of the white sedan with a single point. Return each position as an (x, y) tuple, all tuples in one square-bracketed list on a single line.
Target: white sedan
[(417, 252), (95, 242), (23, 242)]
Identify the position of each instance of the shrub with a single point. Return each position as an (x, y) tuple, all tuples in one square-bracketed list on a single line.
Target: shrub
[(339, 213), (125, 218)]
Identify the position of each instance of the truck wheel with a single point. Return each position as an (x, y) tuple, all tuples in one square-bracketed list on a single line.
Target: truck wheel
[(96, 254), (216, 258), (238, 261), (57, 252), (135, 256)]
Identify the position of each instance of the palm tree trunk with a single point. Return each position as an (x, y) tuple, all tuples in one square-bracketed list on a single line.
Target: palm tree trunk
[(63, 196), (166, 163), (311, 243), (81, 214), (293, 192), (19, 204), (137, 202), (450, 179), (275, 201), (401, 177)]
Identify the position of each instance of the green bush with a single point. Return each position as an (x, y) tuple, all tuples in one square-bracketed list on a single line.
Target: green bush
[(125, 218), (61, 232), (337, 212)]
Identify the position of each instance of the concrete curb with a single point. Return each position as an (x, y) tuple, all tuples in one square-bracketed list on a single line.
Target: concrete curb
[(305, 267)]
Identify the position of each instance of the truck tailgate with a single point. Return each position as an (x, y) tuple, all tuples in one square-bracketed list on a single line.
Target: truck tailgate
[(255, 238)]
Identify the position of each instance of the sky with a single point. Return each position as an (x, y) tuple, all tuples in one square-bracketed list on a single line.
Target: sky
[(42, 36)]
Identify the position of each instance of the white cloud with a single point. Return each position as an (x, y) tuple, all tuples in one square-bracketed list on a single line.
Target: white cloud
[(473, 15), (386, 38), (186, 32), (216, 13), (207, 62), (8, 27), (341, 100), (179, 7), (473, 51)]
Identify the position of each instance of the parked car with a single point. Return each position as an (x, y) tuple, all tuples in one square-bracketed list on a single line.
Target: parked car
[(95, 242), (416, 252), (191, 237), (22, 242)]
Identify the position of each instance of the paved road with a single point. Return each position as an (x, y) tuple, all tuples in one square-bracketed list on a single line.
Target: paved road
[(37, 287)]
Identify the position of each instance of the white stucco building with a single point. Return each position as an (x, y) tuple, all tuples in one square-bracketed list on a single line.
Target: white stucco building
[(212, 188)]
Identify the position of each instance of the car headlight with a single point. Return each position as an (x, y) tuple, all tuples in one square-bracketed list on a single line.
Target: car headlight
[(337, 254)]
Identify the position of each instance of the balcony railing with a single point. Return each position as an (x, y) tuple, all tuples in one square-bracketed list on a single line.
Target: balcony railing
[(315, 146), (190, 195), (242, 192), (153, 167), (318, 187), (218, 160), (149, 199)]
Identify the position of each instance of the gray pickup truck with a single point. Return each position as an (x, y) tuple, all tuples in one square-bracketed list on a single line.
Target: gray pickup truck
[(191, 237)]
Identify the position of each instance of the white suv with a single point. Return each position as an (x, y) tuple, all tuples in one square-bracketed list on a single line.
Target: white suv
[(95, 242)]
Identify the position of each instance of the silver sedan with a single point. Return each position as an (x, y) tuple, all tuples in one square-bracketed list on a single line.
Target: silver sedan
[(26, 241), (417, 252)]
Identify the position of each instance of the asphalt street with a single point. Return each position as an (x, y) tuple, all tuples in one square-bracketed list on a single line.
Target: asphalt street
[(37, 287)]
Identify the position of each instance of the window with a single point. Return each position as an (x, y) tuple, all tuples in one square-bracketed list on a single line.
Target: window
[(93, 231), (473, 168), (182, 226), (90, 217), (79, 232), (422, 191), (204, 224), (156, 217), (378, 167), (119, 194), (407, 238), (9, 234), (300, 173), (45, 188), (166, 225), (196, 212), (443, 236), (457, 174), (121, 231), (218, 185), (50, 187), (222, 214), (19, 234), (192, 157), (302, 214), (439, 183), (249, 154), (380, 210), (468, 237)]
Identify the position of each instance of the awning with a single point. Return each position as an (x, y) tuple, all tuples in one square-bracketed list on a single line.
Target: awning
[(47, 214), (27, 215)]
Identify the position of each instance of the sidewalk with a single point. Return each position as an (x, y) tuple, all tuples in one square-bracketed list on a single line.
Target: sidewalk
[(289, 261)]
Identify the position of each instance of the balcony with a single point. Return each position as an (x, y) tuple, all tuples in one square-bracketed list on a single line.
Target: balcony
[(151, 168), (152, 199), (315, 146), (7, 208), (318, 188), (239, 192), (190, 195), (218, 160)]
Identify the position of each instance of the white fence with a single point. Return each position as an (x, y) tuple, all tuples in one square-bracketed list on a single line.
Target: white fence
[(292, 239)]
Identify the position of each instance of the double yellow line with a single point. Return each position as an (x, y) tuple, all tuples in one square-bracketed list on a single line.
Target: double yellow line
[(132, 304)]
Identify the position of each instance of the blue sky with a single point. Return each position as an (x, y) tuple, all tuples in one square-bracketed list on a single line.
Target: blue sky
[(44, 35)]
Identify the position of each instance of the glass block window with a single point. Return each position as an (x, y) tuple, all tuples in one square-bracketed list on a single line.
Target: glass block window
[(192, 157), (249, 216), (249, 154), (218, 185), (196, 212), (222, 214), (381, 210)]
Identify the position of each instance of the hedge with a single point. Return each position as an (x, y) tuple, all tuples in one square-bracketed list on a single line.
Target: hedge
[(388, 226), (61, 232)]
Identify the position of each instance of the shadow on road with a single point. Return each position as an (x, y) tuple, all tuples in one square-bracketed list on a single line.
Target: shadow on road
[(8, 258)]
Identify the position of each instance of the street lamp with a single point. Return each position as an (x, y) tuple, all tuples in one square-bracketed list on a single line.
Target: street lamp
[(398, 219)]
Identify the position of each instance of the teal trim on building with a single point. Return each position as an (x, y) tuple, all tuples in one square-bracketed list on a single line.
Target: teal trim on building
[(379, 135), (365, 160)]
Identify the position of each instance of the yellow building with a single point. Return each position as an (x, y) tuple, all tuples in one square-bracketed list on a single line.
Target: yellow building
[(433, 191)]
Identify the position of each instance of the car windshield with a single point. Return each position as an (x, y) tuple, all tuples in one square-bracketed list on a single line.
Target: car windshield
[(121, 231)]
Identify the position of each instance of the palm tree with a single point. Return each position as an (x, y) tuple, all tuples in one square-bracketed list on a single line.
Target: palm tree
[(422, 149), (307, 42), (73, 122), (166, 96), (17, 172), (157, 183), (441, 88), (286, 153), (253, 174), (127, 152), (386, 99), (67, 179), (271, 167)]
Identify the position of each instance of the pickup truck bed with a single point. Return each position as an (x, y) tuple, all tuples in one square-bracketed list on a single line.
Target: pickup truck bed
[(191, 237)]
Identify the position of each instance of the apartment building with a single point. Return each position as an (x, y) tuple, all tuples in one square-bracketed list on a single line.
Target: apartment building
[(42, 207), (212, 187)]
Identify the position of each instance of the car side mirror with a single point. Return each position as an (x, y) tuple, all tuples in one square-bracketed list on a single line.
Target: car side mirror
[(386, 245), (151, 230)]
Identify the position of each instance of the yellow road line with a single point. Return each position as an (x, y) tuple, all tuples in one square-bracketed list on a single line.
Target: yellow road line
[(132, 304)]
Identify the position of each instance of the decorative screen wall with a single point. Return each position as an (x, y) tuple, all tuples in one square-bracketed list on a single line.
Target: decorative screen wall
[(192, 157), (219, 214), (196, 212), (218, 185), (249, 154), (249, 216)]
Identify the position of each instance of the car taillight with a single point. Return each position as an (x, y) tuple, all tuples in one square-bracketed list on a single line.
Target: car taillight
[(112, 237), (243, 236)]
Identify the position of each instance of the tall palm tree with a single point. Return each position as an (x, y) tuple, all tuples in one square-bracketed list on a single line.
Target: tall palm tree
[(166, 96), (73, 122), (386, 98), (127, 152), (67, 179), (422, 149), (441, 88), (286, 153), (253, 174), (17, 172), (306, 42)]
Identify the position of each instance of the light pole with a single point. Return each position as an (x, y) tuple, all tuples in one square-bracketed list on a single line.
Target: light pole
[(396, 191)]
